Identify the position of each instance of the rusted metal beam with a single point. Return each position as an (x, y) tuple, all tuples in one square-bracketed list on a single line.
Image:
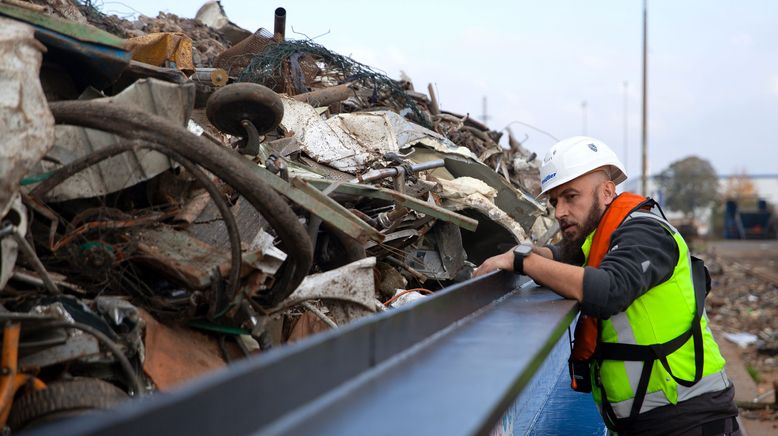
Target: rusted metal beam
[(332, 212), (319, 204), (210, 76), (399, 199)]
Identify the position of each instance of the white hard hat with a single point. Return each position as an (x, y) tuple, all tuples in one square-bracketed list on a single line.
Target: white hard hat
[(574, 157)]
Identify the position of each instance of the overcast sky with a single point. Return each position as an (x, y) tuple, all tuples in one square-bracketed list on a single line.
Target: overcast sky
[(713, 66)]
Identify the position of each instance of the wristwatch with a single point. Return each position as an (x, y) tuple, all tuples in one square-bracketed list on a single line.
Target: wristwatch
[(519, 253)]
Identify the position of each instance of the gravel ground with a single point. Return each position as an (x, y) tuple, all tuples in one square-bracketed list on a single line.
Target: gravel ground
[(744, 299)]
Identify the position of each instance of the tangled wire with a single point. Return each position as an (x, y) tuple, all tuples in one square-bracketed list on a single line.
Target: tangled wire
[(304, 60)]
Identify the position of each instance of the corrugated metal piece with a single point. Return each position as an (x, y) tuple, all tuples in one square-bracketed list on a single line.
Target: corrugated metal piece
[(172, 101), (519, 205), (353, 282), (351, 142)]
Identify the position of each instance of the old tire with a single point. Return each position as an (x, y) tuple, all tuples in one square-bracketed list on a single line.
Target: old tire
[(64, 399)]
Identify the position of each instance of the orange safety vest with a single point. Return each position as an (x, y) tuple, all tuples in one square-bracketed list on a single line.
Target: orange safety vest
[(587, 330)]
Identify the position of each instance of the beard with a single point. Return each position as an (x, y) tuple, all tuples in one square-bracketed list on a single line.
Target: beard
[(570, 247)]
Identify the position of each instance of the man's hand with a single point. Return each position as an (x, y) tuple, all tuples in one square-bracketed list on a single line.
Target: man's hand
[(501, 261), (566, 280), (544, 251)]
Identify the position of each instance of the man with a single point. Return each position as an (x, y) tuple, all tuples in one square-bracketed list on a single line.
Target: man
[(635, 289)]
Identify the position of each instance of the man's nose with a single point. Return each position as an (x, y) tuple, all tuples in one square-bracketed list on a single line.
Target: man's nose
[(560, 211)]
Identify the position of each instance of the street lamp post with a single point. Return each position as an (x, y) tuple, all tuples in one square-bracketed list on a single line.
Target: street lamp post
[(626, 126), (644, 180)]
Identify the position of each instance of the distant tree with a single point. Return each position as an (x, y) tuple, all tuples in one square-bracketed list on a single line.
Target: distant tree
[(689, 184), (740, 186)]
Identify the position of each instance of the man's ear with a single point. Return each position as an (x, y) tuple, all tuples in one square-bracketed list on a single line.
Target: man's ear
[(609, 191)]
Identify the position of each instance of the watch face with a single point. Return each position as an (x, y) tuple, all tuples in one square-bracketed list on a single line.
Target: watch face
[(523, 250)]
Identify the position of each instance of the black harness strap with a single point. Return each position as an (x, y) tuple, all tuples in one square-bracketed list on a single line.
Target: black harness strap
[(640, 394), (700, 283)]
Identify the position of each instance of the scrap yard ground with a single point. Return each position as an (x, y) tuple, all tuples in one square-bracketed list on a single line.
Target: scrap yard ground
[(744, 299)]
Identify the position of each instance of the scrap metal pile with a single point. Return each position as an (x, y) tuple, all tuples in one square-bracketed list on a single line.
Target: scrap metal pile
[(180, 193)]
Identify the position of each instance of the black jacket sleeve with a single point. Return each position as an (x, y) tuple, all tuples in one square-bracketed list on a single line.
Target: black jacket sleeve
[(641, 255)]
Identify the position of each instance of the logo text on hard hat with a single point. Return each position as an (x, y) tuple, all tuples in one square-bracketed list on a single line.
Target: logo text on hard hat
[(593, 147), (548, 177)]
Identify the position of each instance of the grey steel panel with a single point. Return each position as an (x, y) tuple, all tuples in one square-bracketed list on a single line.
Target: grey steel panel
[(458, 383)]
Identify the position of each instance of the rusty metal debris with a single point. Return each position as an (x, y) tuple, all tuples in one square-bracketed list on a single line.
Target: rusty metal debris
[(202, 188)]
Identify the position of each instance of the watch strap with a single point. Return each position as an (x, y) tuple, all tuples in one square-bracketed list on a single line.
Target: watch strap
[(518, 263)]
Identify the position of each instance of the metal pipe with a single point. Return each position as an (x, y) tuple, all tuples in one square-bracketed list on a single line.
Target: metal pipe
[(417, 275), (279, 26), (26, 248), (394, 171), (327, 96), (429, 165), (434, 107), (316, 311), (364, 217), (210, 76), (377, 174)]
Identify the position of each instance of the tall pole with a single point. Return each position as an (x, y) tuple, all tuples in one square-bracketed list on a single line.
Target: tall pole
[(644, 180), (626, 126), (583, 117)]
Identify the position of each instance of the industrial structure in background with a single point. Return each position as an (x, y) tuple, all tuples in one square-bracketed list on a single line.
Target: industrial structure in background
[(745, 208), (744, 223)]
